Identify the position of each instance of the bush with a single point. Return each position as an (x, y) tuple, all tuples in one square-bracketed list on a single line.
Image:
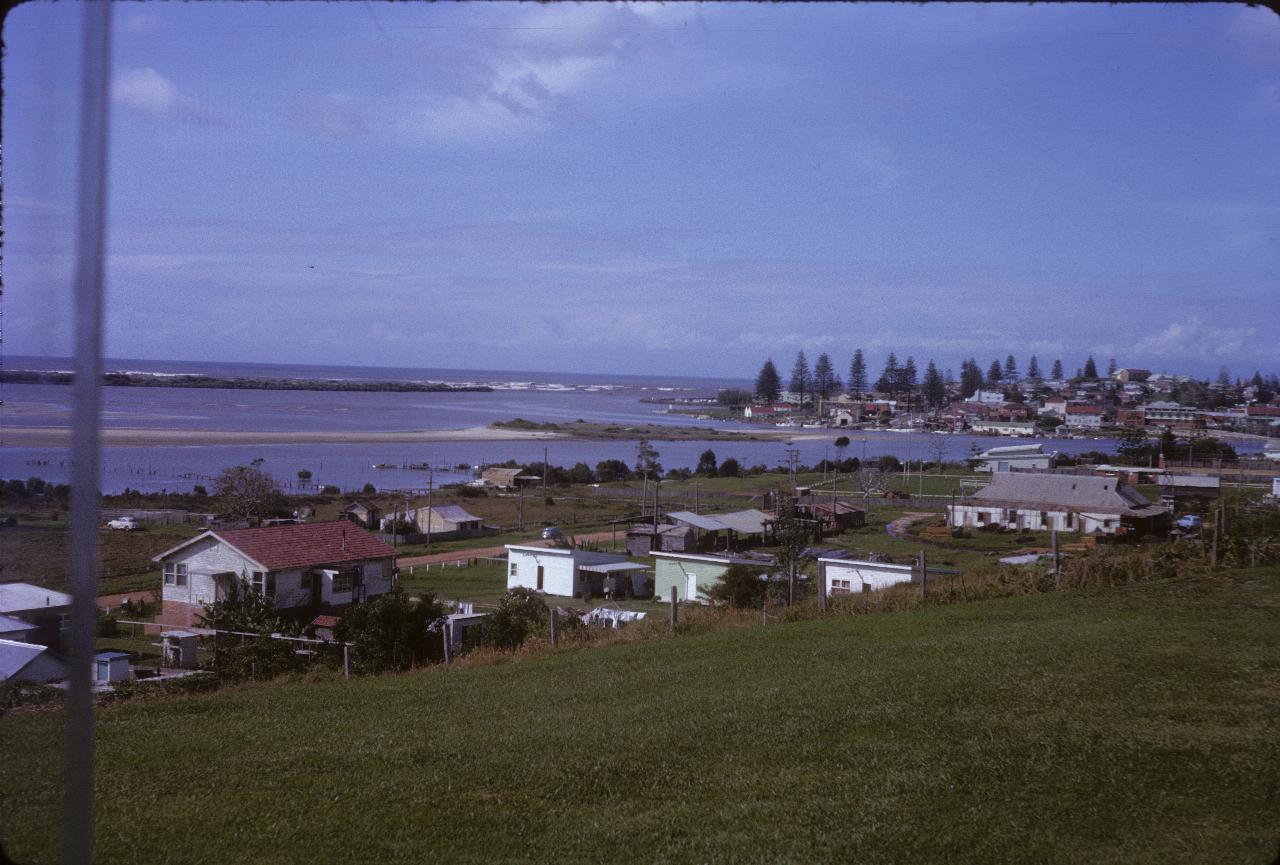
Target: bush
[(391, 632), (330, 490), (740, 588), (521, 613), (729, 468)]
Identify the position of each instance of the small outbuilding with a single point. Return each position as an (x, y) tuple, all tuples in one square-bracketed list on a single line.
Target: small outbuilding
[(179, 649), (559, 570), (29, 662), (110, 667)]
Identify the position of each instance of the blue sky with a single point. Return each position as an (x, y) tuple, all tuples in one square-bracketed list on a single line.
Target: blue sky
[(672, 188)]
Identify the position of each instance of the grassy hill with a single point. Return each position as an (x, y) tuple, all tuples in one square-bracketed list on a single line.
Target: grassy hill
[(1138, 724)]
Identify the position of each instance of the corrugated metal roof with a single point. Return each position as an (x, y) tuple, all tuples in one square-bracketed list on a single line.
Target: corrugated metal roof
[(1045, 491), (15, 656), (16, 597), (12, 625), (748, 522), (612, 567), (705, 522), (453, 514)]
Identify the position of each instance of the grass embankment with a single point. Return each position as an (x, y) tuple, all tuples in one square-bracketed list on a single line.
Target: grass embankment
[(1131, 725)]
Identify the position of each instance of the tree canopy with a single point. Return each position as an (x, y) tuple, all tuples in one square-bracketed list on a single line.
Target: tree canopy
[(801, 378), (858, 375), (768, 383), (247, 492)]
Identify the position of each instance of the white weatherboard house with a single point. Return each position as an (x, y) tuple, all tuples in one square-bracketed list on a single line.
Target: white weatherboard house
[(314, 565), (562, 571), (848, 576), (1013, 457), (1071, 503)]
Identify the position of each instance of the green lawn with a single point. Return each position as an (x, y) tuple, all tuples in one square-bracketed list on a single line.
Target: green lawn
[(1133, 725)]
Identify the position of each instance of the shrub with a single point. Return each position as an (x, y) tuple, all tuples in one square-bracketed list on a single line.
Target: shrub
[(391, 632), (521, 614), (740, 588)]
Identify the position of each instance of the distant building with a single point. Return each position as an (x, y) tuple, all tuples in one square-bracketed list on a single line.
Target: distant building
[(1084, 417), (1130, 374), (1013, 458), (362, 513), (1004, 427), (441, 521), (1071, 503), (1178, 489), (506, 479), (851, 576), (677, 539), (989, 397), (304, 567)]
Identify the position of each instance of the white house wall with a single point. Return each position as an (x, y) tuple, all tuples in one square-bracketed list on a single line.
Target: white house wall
[(862, 576), (558, 572), (204, 559), (977, 516)]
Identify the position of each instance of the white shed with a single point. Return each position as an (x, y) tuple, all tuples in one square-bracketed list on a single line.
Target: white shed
[(554, 570), (179, 648), (111, 667), (848, 576)]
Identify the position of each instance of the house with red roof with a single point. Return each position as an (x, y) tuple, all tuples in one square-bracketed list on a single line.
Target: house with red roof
[(311, 568)]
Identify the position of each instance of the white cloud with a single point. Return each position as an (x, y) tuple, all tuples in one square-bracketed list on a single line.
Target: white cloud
[(1191, 337), (151, 93)]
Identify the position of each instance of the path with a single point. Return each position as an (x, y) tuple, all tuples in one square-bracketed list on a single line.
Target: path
[(898, 527), (490, 552)]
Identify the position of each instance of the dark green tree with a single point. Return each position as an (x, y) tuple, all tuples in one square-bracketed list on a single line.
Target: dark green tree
[(801, 378), (934, 391), (707, 464), (740, 588), (647, 459), (1057, 370), (970, 378), (612, 470), (729, 469), (1010, 369), (392, 632), (858, 375), (1111, 367), (891, 378), (1033, 369), (825, 380), (1090, 368), (768, 383), (994, 374)]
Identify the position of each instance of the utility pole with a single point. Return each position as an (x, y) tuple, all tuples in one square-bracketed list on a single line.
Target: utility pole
[(697, 502), (924, 573), (544, 473), (520, 486), (1057, 569)]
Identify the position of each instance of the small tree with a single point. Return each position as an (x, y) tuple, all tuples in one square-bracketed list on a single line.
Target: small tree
[(791, 533), (247, 493), (647, 459), (391, 632), (1090, 368), (801, 379), (740, 588), (707, 464), (1033, 370), (729, 469), (1057, 370), (521, 613), (612, 470)]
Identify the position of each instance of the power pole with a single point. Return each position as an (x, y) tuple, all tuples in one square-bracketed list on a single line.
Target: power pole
[(697, 502), (656, 482), (544, 473), (924, 573), (1057, 569), (431, 477)]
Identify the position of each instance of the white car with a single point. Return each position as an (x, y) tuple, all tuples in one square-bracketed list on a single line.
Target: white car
[(124, 524)]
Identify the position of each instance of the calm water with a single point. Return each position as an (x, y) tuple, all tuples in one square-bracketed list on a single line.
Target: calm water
[(534, 396)]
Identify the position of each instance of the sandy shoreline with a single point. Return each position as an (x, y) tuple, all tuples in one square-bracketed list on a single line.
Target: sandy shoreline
[(122, 437), (46, 436)]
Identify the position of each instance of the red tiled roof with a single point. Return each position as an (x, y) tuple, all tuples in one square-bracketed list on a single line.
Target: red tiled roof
[(325, 621), (1084, 409), (307, 545)]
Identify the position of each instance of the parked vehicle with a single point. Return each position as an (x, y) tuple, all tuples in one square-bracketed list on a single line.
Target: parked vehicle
[(1189, 521), (123, 524), (552, 533)]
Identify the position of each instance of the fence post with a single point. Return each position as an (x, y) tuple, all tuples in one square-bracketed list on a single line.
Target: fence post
[(346, 661), (924, 573), (448, 644), (555, 631), (1217, 530), (822, 587), (1057, 571), (673, 609)]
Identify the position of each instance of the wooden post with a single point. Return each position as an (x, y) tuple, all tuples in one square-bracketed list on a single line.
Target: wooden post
[(555, 633), (674, 608), (1057, 569), (924, 573), (447, 643), (1217, 530), (346, 661)]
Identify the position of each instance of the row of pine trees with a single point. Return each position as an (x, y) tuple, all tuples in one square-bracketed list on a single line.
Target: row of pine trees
[(901, 379)]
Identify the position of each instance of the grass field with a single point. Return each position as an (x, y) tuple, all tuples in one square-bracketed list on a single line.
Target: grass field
[(1132, 725)]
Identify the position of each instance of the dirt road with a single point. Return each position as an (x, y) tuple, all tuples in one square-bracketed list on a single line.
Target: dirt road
[(898, 528)]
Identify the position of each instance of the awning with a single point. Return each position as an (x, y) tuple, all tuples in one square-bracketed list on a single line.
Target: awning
[(613, 567)]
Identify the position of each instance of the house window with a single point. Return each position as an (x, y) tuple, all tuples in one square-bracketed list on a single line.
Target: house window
[(515, 569), (305, 582), (175, 574), (342, 581), (264, 583)]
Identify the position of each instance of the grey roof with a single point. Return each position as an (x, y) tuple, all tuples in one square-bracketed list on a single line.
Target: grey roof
[(1073, 492), (15, 656), (107, 656), (16, 597), (12, 625), (705, 522), (1207, 482), (611, 567), (453, 514), (748, 522)]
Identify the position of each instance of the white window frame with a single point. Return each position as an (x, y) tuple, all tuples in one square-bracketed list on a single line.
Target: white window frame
[(343, 582), (264, 583), (176, 574)]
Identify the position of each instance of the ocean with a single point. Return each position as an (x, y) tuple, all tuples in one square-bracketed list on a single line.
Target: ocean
[(535, 396)]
